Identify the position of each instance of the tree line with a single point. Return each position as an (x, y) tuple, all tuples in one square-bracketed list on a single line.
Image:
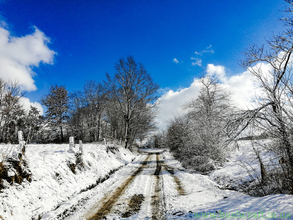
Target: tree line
[(121, 108)]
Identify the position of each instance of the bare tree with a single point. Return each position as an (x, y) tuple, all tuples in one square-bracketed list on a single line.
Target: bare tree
[(114, 118), (86, 110), (272, 68), (133, 89), (77, 121), (274, 112), (94, 100)]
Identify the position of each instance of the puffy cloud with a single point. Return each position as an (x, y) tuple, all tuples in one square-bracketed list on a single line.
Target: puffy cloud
[(242, 87), (175, 60), (218, 71), (18, 55), (25, 102), (170, 103)]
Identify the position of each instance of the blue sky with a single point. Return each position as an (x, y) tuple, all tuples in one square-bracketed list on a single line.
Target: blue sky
[(174, 40)]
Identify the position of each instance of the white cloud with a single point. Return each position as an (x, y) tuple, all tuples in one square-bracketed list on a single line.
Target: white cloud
[(242, 87), (217, 71), (207, 50), (170, 103), (18, 55), (197, 62), (175, 60), (25, 102)]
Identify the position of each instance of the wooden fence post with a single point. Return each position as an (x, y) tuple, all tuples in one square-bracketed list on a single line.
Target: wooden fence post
[(71, 143), (80, 146), (21, 142)]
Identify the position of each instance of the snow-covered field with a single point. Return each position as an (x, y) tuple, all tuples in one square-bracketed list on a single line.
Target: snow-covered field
[(57, 193)]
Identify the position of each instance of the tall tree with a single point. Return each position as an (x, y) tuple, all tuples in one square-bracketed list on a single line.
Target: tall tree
[(57, 103), (133, 88)]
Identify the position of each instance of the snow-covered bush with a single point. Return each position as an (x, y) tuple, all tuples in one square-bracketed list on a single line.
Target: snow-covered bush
[(198, 139)]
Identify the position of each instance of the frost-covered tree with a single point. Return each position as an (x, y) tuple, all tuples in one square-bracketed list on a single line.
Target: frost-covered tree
[(33, 123), (94, 94), (11, 111), (198, 138), (271, 65), (57, 103), (209, 114), (86, 110), (77, 117)]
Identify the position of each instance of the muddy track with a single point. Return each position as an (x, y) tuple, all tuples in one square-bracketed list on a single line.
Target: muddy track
[(109, 201), (179, 186), (158, 212), (130, 197)]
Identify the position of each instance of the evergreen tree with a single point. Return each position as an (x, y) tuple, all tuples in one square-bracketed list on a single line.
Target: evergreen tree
[(57, 103)]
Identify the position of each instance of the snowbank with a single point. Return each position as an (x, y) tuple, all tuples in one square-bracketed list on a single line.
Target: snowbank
[(56, 177), (205, 200), (242, 167)]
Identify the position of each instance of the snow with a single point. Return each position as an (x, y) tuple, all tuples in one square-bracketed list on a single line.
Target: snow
[(53, 183), (243, 164), (57, 193), (204, 197)]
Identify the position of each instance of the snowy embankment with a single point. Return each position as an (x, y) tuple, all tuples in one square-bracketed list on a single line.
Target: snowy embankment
[(203, 198), (57, 178), (243, 168)]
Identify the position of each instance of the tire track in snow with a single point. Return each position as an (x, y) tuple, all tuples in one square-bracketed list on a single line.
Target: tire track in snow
[(179, 186), (143, 184), (109, 201), (158, 210)]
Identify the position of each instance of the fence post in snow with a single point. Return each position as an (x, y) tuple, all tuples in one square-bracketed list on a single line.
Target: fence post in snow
[(71, 143), (80, 146), (21, 142)]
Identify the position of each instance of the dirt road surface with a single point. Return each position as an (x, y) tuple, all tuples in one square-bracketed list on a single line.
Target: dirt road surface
[(134, 192)]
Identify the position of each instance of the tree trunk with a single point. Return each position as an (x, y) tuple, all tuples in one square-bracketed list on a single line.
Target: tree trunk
[(126, 133), (61, 134), (28, 139), (99, 125)]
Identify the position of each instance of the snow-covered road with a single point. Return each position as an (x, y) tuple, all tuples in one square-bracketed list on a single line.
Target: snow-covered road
[(134, 192), (155, 186)]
